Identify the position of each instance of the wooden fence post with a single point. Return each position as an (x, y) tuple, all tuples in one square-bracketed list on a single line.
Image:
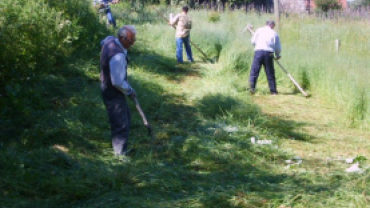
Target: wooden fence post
[(277, 15), (337, 44)]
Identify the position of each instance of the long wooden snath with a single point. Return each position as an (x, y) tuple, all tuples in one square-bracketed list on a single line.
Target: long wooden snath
[(195, 46)]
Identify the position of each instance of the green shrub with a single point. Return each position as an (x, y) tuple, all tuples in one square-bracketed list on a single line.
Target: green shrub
[(42, 35), (359, 108), (214, 17), (36, 39), (326, 5)]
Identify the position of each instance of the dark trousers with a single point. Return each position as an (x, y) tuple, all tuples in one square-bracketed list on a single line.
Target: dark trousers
[(265, 59), (119, 119), (109, 14), (110, 17)]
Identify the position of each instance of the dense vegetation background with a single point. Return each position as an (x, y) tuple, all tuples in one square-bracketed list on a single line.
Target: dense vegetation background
[(55, 149)]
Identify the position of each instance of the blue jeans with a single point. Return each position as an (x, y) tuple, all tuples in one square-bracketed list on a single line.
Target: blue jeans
[(179, 43), (110, 17)]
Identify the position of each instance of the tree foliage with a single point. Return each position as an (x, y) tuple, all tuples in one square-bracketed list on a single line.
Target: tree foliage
[(36, 37), (357, 3), (326, 5)]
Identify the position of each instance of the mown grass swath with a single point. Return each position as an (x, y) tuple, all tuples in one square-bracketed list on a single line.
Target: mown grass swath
[(55, 148)]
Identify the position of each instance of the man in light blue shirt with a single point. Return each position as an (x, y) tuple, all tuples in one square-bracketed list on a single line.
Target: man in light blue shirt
[(115, 86), (266, 42)]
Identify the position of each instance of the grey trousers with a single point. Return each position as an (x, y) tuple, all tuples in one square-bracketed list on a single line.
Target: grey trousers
[(119, 118)]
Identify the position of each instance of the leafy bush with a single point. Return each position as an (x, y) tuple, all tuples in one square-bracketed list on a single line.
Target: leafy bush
[(42, 35), (326, 5), (214, 17), (358, 3), (36, 39)]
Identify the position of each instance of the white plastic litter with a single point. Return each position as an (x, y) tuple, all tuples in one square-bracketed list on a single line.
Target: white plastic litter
[(230, 129), (341, 159), (349, 160), (354, 169), (264, 141), (253, 140), (296, 160), (257, 141)]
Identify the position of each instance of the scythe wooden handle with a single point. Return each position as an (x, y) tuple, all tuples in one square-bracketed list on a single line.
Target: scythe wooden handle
[(291, 78), (141, 112)]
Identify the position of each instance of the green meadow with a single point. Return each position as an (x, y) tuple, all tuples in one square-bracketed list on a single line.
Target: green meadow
[(55, 146)]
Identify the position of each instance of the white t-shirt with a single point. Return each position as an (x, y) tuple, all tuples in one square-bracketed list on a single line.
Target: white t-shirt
[(266, 39)]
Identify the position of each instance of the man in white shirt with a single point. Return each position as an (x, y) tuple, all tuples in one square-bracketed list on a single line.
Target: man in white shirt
[(266, 42)]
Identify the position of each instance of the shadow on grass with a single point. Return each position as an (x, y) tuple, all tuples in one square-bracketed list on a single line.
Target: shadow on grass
[(287, 129), (218, 105), (165, 66)]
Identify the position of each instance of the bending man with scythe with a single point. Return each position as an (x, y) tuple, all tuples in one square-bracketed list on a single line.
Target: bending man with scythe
[(267, 42), (183, 27)]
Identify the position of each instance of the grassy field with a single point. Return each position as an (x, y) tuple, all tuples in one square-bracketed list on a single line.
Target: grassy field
[(203, 120)]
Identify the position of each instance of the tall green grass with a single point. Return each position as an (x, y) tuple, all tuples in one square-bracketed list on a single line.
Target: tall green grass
[(341, 75), (309, 54)]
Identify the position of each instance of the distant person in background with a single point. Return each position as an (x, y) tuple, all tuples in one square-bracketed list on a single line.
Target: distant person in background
[(182, 22), (103, 6), (266, 42), (115, 86)]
